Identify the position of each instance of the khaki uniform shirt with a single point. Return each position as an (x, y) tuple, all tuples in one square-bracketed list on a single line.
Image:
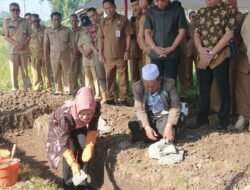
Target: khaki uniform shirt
[(114, 31), (76, 34), (85, 42), (60, 39), (213, 22), (36, 41), (17, 30)]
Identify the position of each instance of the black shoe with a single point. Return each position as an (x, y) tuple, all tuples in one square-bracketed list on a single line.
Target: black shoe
[(197, 125), (123, 103), (221, 127), (110, 102)]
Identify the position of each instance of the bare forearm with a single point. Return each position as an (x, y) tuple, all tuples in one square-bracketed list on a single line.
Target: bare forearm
[(179, 38), (197, 41), (148, 36), (10, 40), (100, 46), (128, 41)]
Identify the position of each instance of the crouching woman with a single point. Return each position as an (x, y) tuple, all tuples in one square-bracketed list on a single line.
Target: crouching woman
[(72, 135)]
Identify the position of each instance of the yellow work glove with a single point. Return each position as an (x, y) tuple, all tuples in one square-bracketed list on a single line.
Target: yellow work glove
[(71, 160), (90, 144)]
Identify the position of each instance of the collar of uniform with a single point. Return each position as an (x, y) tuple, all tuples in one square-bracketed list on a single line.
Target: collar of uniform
[(113, 17), (59, 28), (77, 29), (19, 19)]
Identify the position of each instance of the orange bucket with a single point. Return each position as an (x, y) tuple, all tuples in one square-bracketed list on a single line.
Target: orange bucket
[(9, 172)]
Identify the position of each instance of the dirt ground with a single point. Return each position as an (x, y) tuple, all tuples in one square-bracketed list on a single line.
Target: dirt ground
[(213, 160)]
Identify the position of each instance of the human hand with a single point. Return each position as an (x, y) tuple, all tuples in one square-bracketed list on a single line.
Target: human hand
[(205, 56), (126, 56), (151, 134), (159, 50), (101, 59), (169, 133)]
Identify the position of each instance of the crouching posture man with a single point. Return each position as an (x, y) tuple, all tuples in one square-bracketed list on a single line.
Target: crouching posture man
[(157, 107)]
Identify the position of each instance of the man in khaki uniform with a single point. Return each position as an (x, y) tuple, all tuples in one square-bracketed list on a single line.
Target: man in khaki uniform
[(37, 62), (136, 53), (144, 5), (77, 70), (114, 47), (58, 46), (240, 66), (17, 34), (100, 70), (86, 47)]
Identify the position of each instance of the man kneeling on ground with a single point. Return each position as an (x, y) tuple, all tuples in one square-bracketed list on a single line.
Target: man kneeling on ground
[(157, 107)]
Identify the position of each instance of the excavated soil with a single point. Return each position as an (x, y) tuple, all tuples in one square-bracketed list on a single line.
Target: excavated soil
[(213, 160)]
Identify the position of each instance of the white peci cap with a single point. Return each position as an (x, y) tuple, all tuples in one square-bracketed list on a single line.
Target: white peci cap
[(150, 72)]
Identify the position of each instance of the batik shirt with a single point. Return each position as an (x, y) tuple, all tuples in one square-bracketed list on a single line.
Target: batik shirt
[(213, 22)]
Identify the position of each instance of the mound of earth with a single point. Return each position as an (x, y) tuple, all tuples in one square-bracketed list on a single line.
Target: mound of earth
[(19, 110), (213, 159)]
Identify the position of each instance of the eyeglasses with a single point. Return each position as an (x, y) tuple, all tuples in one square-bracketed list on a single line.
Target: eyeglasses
[(15, 10)]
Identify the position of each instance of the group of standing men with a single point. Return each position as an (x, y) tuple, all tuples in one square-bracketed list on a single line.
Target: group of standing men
[(158, 33)]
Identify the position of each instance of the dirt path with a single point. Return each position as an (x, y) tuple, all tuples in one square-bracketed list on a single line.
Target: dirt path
[(213, 160)]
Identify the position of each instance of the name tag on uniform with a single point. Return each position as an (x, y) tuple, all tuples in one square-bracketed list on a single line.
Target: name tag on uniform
[(118, 33)]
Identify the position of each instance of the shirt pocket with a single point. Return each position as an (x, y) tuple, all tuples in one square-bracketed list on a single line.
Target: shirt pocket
[(12, 30), (64, 36)]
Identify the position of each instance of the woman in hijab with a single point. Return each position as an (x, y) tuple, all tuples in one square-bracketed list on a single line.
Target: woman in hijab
[(72, 135)]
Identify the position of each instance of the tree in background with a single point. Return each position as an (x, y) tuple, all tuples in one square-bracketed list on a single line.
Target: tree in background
[(66, 7)]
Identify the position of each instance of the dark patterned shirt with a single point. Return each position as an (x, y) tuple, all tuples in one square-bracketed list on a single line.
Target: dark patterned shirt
[(213, 22)]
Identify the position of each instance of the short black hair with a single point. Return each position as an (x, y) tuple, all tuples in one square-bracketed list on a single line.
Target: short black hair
[(91, 9), (55, 14), (27, 14), (191, 12), (73, 15), (14, 4), (35, 15), (109, 1)]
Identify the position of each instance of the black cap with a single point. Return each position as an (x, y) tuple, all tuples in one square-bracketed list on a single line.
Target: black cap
[(85, 21), (132, 1)]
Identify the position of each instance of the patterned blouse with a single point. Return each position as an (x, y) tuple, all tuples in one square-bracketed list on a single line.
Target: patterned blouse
[(213, 22)]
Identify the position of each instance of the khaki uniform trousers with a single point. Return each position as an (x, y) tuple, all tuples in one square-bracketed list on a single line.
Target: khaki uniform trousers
[(135, 69), (91, 79), (111, 67), (39, 68), (77, 73), (242, 91), (61, 65), (185, 74), (100, 72), (16, 60)]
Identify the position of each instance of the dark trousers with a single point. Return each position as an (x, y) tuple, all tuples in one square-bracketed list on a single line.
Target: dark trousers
[(139, 134), (167, 67), (205, 77), (76, 144)]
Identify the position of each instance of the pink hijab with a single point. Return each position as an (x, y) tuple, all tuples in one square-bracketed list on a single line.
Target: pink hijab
[(84, 100)]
